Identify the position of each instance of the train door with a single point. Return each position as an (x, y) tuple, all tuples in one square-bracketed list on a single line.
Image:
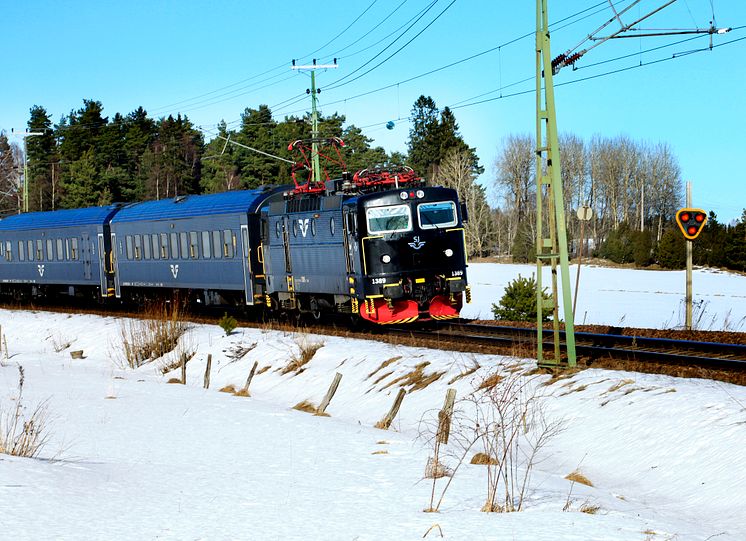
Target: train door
[(115, 265), (349, 230), (286, 245), (85, 255), (247, 277), (103, 275)]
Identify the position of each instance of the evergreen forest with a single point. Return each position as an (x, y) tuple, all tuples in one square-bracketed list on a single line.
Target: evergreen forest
[(633, 188)]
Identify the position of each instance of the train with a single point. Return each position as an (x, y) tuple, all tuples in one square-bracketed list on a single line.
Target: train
[(379, 245)]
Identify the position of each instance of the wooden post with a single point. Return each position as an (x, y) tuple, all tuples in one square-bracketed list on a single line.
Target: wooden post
[(329, 394), (207, 371), (385, 423), (183, 368), (444, 417), (248, 380)]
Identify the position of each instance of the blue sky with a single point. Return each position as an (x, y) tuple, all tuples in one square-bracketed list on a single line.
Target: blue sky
[(210, 60)]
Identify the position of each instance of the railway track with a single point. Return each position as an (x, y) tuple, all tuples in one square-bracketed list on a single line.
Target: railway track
[(717, 360), (591, 347)]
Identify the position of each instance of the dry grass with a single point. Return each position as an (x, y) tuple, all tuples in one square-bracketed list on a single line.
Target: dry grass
[(382, 377), (174, 380), (23, 434), (465, 373), (306, 406), (490, 381), (416, 379), (306, 351), (228, 389), (263, 369), (589, 508), (380, 452), (242, 392), (382, 442), (146, 339), (619, 384), (577, 477), (383, 365), (484, 459)]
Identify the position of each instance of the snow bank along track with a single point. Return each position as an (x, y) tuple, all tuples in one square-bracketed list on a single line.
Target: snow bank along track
[(593, 346)]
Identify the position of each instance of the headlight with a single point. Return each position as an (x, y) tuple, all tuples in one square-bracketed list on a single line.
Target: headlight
[(404, 196), (420, 194), (449, 252), (386, 258)]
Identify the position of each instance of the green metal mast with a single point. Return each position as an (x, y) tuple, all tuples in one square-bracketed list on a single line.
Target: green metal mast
[(314, 131), (551, 249), (315, 163)]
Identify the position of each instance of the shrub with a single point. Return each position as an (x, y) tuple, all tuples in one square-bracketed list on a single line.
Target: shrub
[(519, 301), (228, 323), (152, 337)]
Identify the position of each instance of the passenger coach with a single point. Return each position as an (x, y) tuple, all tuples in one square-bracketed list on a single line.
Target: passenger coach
[(58, 252)]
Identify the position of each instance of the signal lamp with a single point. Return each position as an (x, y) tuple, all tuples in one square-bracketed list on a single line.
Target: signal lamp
[(691, 221)]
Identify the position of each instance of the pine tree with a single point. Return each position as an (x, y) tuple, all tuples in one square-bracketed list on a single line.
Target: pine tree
[(41, 160)]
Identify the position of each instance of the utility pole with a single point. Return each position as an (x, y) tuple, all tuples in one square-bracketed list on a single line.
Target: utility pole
[(25, 135), (688, 322), (554, 248), (315, 166)]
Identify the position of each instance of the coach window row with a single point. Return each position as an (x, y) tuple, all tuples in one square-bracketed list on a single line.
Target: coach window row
[(41, 250), (184, 245)]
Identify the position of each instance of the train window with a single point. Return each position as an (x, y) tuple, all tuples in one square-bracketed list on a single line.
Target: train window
[(30, 247), (228, 243), (184, 243), (156, 246), (193, 245), (138, 247), (277, 229), (39, 250), (435, 215), (21, 251), (74, 248), (2, 248), (50, 253), (146, 246), (174, 246), (60, 255), (164, 245), (295, 228), (313, 226), (206, 244), (130, 247), (8, 251), (67, 249), (217, 251), (331, 225), (393, 219)]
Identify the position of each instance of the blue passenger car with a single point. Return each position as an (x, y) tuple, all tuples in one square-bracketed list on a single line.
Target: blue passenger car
[(195, 243), (57, 252)]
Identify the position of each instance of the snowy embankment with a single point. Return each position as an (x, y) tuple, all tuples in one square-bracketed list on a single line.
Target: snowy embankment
[(135, 458)]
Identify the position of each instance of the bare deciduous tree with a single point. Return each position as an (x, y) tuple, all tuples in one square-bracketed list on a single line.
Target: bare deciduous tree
[(456, 172)]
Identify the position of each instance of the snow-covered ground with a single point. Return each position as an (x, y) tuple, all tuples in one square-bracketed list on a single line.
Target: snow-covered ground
[(627, 297), (131, 457)]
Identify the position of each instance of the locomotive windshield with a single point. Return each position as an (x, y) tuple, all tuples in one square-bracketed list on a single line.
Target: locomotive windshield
[(435, 215), (393, 219)]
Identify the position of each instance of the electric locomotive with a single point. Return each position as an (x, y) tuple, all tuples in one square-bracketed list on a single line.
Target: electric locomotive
[(380, 245)]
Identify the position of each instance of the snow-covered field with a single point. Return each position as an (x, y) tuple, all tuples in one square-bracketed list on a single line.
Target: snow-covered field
[(131, 457), (627, 297)]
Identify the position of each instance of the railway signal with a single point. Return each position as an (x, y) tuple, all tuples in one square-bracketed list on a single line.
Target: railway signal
[(691, 221)]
